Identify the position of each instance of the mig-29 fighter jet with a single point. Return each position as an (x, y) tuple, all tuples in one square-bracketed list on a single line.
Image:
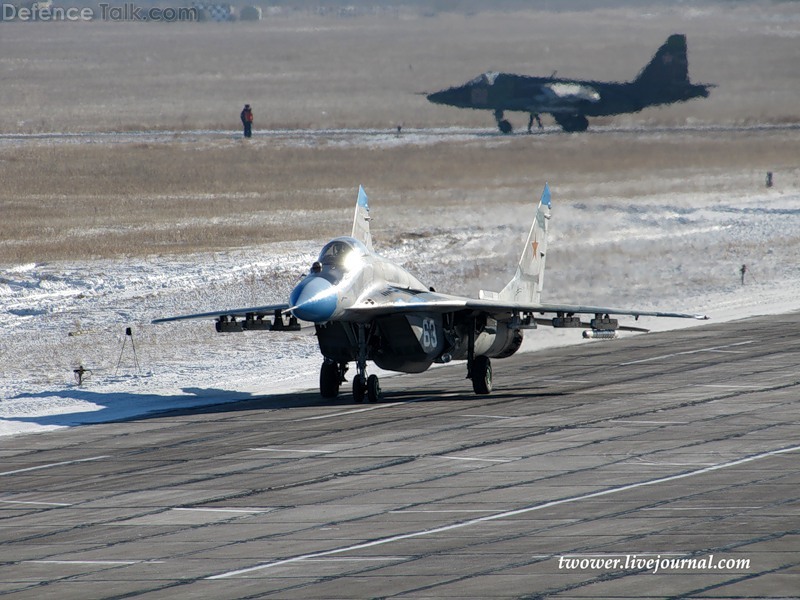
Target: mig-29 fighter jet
[(366, 308)]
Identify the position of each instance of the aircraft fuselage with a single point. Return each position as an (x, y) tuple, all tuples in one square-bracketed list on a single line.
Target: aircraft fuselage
[(508, 92), (346, 275), (664, 80)]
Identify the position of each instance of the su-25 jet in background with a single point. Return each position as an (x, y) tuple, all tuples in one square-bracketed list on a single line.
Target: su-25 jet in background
[(663, 81), (366, 308)]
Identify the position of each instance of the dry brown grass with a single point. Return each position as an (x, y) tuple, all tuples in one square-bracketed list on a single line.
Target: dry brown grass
[(76, 201), (64, 200), (301, 70)]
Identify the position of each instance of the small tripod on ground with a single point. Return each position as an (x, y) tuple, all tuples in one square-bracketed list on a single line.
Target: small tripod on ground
[(128, 334)]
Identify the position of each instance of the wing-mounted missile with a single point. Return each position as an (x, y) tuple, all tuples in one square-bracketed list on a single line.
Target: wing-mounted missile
[(280, 324), (256, 321)]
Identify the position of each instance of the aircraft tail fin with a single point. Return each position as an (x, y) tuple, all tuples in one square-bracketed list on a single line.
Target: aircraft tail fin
[(526, 285), (362, 219), (669, 65)]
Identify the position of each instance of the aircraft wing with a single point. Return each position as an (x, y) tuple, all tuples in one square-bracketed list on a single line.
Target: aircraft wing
[(258, 311), (498, 309)]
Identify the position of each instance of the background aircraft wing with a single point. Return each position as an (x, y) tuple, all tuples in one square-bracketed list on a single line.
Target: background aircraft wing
[(258, 311)]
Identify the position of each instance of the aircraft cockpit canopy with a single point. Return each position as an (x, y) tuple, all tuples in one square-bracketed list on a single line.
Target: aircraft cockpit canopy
[(485, 79), (341, 251)]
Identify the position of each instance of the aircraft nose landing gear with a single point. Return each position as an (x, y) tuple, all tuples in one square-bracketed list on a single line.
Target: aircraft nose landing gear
[(359, 388), (364, 386), (373, 389), (502, 124)]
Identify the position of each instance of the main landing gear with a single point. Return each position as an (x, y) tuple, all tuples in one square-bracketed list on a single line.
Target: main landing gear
[(571, 123), (331, 375), (502, 124), (479, 368), (368, 387), (481, 375)]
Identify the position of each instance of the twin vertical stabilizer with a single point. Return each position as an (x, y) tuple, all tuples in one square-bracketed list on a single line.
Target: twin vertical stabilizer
[(526, 286), (361, 220)]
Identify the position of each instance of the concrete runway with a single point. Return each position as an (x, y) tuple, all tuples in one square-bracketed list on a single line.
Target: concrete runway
[(638, 453)]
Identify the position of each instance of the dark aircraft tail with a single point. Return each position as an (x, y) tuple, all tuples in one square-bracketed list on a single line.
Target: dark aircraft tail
[(669, 66), (665, 79)]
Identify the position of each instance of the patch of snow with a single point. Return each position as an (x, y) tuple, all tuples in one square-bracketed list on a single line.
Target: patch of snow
[(670, 253)]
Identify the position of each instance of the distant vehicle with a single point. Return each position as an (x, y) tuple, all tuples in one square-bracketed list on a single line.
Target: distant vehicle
[(365, 307), (663, 81)]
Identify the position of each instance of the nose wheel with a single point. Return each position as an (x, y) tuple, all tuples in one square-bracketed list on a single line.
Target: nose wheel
[(367, 388), (364, 387), (359, 388), (373, 389), (502, 124)]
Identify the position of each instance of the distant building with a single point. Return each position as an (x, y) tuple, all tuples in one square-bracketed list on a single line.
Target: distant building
[(207, 11)]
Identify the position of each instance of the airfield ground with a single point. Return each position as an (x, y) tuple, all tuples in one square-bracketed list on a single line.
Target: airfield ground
[(197, 186), (128, 194), (196, 192), (676, 450)]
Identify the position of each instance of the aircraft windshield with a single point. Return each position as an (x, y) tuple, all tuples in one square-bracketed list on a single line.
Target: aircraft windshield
[(337, 252), (485, 78)]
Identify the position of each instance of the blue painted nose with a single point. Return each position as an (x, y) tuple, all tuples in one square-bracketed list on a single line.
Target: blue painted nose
[(314, 299)]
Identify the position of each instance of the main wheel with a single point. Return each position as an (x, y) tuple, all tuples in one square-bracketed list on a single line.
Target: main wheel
[(329, 380), (482, 375), (359, 388), (505, 126), (373, 389), (572, 123)]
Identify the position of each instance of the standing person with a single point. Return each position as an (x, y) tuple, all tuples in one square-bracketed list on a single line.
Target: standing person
[(247, 120)]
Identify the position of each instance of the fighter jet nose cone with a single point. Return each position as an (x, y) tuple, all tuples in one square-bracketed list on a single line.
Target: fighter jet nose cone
[(436, 97), (314, 299)]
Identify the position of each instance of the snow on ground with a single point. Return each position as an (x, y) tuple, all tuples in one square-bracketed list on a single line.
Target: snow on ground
[(665, 252), (348, 137)]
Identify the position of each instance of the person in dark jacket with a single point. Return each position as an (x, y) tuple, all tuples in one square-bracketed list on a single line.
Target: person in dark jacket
[(247, 120)]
